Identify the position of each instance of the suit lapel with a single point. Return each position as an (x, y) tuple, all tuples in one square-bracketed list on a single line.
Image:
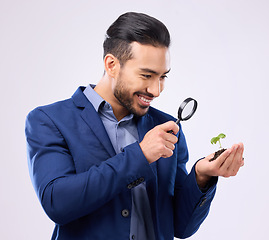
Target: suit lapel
[(144, 124), (92, 119)]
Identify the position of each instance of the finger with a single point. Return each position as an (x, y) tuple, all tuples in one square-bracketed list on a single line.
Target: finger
[(170, 145), (209, 157), (229, 160), (170, 126), (239, 155), (167, 152), (170, 138), (242, 151), (222, 158), (237, 161)]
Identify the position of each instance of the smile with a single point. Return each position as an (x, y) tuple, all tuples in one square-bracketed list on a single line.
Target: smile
[(144, 100)]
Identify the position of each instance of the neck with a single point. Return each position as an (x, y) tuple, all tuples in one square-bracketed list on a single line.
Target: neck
[(105, 89)]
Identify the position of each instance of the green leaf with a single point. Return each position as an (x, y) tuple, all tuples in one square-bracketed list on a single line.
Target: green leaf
[(214, 140), (221, 135)]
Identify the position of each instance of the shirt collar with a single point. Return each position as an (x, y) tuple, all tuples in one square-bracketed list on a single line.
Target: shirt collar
[(101, 106), (95, 99)]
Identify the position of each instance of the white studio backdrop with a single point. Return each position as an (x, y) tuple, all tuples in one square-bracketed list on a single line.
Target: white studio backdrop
[(219, 55)]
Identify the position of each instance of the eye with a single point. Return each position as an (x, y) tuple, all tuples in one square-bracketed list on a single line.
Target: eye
[(163, 77), (147, 76)]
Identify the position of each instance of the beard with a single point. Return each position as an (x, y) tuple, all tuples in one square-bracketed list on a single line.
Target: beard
[(126, 99)]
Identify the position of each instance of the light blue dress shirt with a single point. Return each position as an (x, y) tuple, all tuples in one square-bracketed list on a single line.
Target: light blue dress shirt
[(123, 133)]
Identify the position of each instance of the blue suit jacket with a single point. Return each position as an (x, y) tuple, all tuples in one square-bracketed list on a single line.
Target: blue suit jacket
[(85, 188)]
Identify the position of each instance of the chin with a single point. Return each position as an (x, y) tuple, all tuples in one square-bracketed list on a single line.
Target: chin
[(141, 112)]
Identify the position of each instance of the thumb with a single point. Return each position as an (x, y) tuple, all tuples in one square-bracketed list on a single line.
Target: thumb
[(170, 126)]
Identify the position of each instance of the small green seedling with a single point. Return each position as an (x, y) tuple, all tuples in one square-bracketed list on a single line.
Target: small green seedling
[(214, 140)]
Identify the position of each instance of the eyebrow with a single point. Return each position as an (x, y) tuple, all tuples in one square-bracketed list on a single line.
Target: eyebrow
[(152, 71)]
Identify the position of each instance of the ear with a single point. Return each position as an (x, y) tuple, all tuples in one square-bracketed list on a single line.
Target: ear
[(112, 65)]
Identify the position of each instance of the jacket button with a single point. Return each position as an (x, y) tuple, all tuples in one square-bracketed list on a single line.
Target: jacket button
[(125, 213), (129, 186), (137, 182), (141, 180)]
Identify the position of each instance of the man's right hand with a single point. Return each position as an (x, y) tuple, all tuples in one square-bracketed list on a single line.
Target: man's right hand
[(158, 142)]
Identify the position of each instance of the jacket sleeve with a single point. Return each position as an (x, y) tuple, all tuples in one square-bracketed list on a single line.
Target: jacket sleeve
[(191, 205), (64, 194)]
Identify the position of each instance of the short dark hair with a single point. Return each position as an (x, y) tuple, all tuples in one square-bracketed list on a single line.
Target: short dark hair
[(134, 27)]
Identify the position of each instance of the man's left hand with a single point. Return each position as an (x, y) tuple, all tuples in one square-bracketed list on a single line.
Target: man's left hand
[(226, 165)]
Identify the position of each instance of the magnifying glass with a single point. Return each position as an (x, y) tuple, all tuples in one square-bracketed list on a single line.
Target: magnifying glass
[(186, 109)]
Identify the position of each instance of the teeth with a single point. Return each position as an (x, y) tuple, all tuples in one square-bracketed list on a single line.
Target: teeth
[(144, 99)]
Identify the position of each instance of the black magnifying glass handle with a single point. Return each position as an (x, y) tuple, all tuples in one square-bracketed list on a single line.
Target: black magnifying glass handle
[(184, 112), (177, 122)]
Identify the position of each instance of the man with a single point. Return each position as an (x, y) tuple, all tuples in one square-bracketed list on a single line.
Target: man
[(105, 164)]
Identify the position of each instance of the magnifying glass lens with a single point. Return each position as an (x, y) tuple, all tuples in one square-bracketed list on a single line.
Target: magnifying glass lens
[(187, 110)]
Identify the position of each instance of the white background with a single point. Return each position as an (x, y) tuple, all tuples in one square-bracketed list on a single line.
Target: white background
[(220, 56)]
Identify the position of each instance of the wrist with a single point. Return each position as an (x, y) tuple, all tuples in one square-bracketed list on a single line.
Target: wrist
[(144, 151), (201, 179)]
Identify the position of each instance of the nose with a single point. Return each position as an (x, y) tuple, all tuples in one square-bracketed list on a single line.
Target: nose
[(154, 88)]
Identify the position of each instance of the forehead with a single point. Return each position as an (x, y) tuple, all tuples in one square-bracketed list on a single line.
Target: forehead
[(150, 57)]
